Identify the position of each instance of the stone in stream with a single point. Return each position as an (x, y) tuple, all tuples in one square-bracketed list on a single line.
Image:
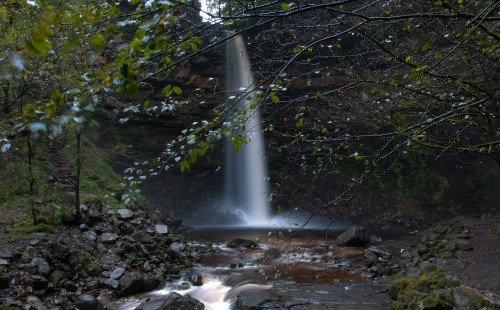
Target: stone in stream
[(354, 236), (242, 243), (176, 301), (136, 282), (88, 302)]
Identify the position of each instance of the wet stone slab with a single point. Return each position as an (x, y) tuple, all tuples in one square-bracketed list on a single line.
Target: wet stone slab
[(341, 295)]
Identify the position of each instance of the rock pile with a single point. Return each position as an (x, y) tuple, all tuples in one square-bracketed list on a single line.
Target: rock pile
[(114, 254)]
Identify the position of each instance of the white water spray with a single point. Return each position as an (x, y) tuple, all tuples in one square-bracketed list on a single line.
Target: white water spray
[(246, 188)]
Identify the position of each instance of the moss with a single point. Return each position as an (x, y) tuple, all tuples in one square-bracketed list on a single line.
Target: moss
[(442, 300), (42, 227), (429, 291)]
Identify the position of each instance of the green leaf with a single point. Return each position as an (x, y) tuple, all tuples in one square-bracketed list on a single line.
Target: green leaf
[(274, 98), (177, 90), (96, 42), (56, 96), (38, 48), (132, 87), (136, 44), (285, 7), (426, 46)]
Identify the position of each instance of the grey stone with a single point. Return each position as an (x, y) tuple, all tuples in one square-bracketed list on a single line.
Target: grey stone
[(176, 301), (103, 227), (354, 236), (70, 286), (6, 254), (3, 262), (112, 283), (36, 303), (125, 214), (60, 251), (56, 277), (43, 266), (161, 229), (88, 302), (136, 282), (108, 238), (370, 258), (29, 252), (379, 252), (37, 282), (117, 273), (177, 246), (90, 235), (142, 237)]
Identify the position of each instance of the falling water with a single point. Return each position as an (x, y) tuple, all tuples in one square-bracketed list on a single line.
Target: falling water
[(246, 189)]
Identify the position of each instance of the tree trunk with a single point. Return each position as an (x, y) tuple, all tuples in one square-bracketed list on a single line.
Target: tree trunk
[(31, 180), (79, 162)]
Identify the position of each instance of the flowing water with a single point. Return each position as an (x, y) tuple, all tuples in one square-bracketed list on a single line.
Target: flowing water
[(304, 257), (246, 189)]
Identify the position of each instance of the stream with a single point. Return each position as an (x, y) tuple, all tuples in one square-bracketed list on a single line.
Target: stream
[(289, 269)]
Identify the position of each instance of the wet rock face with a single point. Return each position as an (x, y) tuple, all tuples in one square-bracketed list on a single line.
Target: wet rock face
[(176, 301), (354, 236)]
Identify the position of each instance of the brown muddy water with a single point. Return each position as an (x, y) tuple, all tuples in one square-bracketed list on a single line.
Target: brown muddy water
[(305, 256)]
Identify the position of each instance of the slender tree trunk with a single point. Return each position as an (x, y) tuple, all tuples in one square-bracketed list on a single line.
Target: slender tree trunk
[(31, 180), (79, 161)]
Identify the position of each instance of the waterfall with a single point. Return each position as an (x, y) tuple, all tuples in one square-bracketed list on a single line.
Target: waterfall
[(246, 189)]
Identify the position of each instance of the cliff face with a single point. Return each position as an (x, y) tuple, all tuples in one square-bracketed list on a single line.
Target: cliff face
[(415, 190)]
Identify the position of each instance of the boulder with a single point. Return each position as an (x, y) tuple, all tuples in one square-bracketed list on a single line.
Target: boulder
[(88, 302), (354, 236), (90, 235), (3, 262), (43, 266), (6, 254), (103, 227), (136, 282), (177, 246), (242, 243), (176, 301), (142, 237), (125, 214), (161, 229), (111, 283), (60, 251), (70, 286), (37, 282), (33, 302), (108, 238), (117, 273)]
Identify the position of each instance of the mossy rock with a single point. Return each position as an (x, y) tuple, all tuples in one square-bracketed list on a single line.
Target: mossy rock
[(431, 290), (442, 300)]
